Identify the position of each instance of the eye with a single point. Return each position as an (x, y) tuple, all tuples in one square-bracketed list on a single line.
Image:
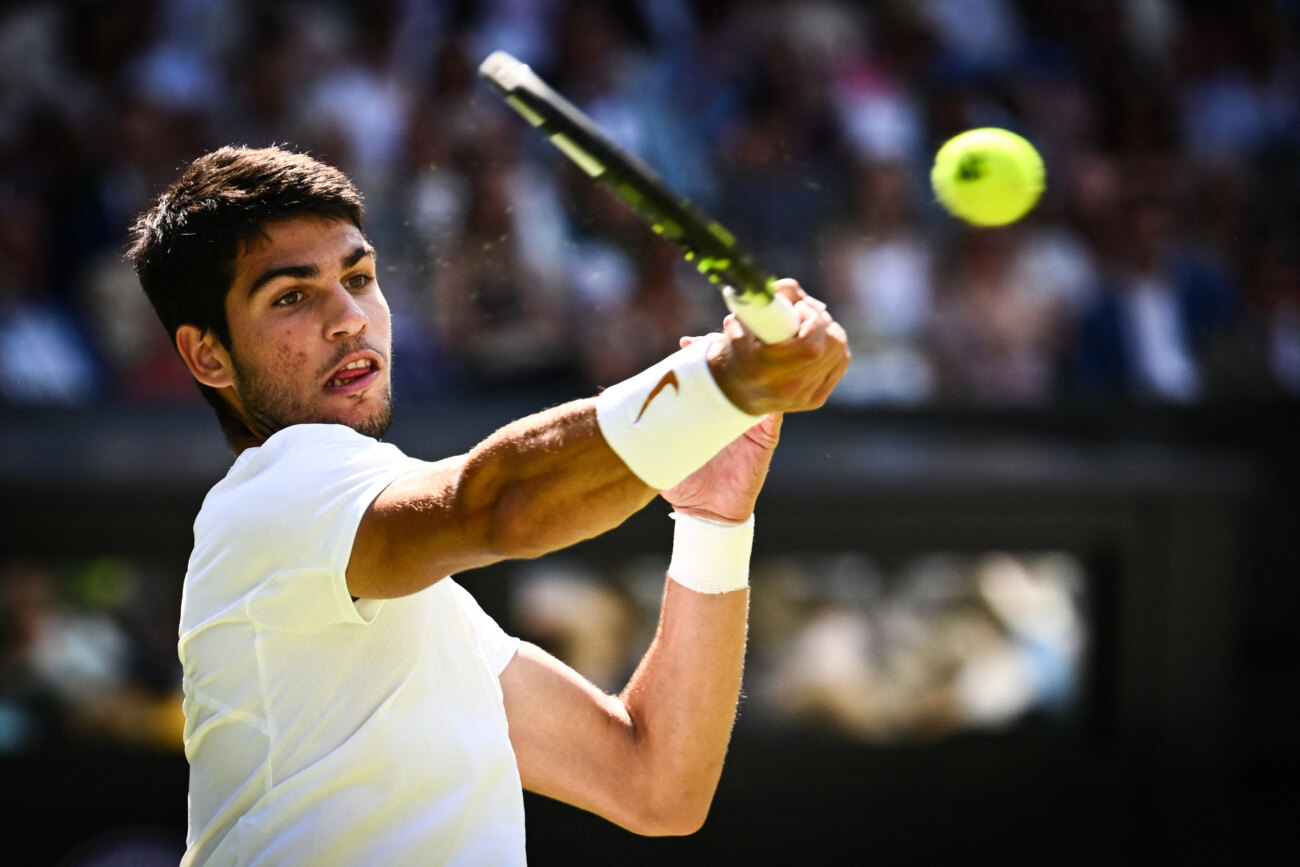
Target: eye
[(288, 299), (359, 280)]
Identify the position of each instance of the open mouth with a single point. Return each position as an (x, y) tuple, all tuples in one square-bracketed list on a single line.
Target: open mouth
[(354, 376)]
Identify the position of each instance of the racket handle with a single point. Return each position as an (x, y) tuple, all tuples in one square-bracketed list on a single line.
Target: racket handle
[(771, 322)]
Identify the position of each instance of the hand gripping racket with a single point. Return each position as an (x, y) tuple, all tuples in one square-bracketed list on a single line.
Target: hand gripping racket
[(746, 289)]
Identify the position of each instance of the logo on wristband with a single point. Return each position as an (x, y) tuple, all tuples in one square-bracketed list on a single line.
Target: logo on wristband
[(669, 378)]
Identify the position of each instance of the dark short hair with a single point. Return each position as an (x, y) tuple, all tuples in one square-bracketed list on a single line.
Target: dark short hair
[(184, 247)]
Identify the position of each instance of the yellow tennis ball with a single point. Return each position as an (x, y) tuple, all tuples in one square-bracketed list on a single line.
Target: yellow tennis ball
[(988, 177)]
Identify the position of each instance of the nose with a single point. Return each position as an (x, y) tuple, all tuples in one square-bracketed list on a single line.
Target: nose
[(347, 318)]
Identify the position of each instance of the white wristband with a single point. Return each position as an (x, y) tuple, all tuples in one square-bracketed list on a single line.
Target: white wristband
[(710, 556), (669, 420)]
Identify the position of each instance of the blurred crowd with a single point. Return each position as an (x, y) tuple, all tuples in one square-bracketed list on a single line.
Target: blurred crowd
[(88, 655), (884, 653), (906, 652), (1162, 263)]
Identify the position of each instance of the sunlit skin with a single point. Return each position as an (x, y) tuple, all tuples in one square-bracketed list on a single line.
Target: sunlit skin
[(304, 303)]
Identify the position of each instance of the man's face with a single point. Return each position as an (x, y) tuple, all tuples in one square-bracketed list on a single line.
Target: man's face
[(310, 333)]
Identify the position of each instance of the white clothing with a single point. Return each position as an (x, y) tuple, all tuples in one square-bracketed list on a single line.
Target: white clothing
[(1165, 364), (322, 731)]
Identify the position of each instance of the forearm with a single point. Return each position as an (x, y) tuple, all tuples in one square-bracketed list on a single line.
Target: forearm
[(547, 482), (650, 758), (682, 703), (537, 485)]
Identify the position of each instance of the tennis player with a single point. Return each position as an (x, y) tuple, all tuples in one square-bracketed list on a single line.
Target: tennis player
[(346, 701)]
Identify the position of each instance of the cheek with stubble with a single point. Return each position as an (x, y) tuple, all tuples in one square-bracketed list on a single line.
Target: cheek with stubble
[(266, 389), (287, 391)]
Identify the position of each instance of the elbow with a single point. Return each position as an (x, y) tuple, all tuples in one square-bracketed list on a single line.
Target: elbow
[(677, 823), (681, 824), (669, 814), (664, 792)]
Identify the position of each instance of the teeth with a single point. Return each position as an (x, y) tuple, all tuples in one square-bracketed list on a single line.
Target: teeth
[(364, 363)]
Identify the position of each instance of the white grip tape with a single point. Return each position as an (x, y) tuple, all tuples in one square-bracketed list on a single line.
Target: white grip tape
[(669, 420), (710, 556), (772, 322)]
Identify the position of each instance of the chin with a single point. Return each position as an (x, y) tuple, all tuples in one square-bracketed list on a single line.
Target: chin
[(376, 423), (265, 413), (375, 428)]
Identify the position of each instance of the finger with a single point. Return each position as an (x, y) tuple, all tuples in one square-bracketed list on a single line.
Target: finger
[(816, 362), (735, 329), (836, 335), (823, 392), (790, 289), (820, 329), (807, 316), (767, 433), (813, 326), (771, 425), (815, 303), (796, 294), (831, 346), (683, 342)]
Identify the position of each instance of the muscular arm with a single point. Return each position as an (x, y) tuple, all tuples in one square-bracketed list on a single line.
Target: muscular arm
[(551, 480), (534, 486), (650, 758)]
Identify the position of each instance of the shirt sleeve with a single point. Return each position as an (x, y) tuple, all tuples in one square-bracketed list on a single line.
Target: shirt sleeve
[(283, 522), (495, 646)]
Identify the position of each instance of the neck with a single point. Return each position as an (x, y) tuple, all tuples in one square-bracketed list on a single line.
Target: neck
[(239, 442)]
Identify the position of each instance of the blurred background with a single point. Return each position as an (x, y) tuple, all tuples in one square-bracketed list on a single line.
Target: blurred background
[(1026, 590)]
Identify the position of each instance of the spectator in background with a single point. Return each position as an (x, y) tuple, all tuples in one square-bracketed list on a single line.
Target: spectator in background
[(447, 139), (646, 318), (29, 709), (737, 105), (872, 75), (1159, 316), (998, 336), (603, 63), (1273, 287), (268, 65), (780, 164), (68, 667), (153, 130), (146, 368), (1240, 93), (356, 102), (880, 279), (499, 317), (46, 356)]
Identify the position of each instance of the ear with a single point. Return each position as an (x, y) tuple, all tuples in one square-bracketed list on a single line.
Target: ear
[(207, 359)]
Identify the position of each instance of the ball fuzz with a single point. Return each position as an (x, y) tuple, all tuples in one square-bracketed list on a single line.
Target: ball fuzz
[(988, 177)]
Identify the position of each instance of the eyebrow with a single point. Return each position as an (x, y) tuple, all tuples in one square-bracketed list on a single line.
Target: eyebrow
[(307, 272)]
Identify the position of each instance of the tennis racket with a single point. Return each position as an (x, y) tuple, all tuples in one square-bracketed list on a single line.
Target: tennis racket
[(746, 289)]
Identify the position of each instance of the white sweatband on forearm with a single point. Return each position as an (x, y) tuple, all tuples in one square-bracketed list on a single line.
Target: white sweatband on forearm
[(669, 420), (710, 556)]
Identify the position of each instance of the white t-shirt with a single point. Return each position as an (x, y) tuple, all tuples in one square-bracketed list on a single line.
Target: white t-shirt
[(322, 731)]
